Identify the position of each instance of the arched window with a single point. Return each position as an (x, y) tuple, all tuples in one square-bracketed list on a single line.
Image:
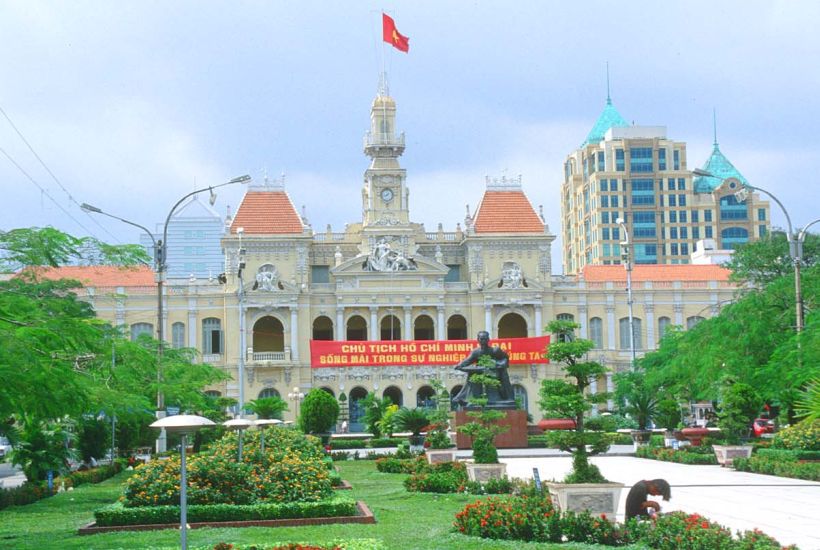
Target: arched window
[(663, 325), (692, 321), (322, 328), (424, 397), (423, 328), (213, 394), (328, 390), (732, 237), (211, 336), (178, 335), (268, 335), (512, 325), (390, 328), (520, 395), (268, 392), (623, 326), (456, 328), (141, 328), (395, 395), (596, 332), (356, 328), (570, 318), (356, 408)]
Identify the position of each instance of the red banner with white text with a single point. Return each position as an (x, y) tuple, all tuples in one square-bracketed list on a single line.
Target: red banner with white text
[(411, 353)]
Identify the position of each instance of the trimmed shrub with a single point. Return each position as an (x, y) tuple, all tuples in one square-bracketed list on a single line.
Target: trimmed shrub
[(681, 456), (118, 514), (681, 531), (511, 518), (382, 442), (804, 436), (27, 493), (788, 454), (319, 412), (346, 444), (584, 527), (391, 465), (500, 486), (447, 477), (780, 465)]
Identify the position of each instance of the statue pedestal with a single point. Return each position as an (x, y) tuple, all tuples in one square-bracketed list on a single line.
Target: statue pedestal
[(515, 437)]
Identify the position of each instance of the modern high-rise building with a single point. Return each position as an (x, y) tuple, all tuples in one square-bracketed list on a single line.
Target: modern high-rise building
[(638, 175)]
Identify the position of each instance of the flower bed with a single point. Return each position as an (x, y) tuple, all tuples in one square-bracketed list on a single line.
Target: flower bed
[(446, 477), (533, 518), (118, 514), (32, 491), (687, 455)]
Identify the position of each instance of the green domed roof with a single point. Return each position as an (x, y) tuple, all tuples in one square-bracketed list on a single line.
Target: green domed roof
[(610, 118), (721, 168)]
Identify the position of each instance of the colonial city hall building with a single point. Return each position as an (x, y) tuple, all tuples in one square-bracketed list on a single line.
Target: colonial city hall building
[(386, 278)]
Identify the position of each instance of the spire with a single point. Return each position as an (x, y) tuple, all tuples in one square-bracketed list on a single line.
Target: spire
[(714, 126), (384, 87), (608, 97)]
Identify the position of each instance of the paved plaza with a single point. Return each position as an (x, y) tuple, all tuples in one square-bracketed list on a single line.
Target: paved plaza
[(787, 509)]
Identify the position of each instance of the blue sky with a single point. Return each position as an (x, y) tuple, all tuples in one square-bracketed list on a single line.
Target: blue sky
[(133, 104)]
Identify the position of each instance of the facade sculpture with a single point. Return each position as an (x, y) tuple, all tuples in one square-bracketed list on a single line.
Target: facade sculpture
[(384, 258)]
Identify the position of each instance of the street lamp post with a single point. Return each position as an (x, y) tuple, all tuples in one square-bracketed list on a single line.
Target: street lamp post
[(160, 265), (183, 424), (239, 424), (627, 261), (297, 396), (795, 241)]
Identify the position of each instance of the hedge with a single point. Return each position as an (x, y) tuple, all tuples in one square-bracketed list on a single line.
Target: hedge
[(667, 454), (345, 444), (788, 454), (382, 442), (779, 466), (117, 514)]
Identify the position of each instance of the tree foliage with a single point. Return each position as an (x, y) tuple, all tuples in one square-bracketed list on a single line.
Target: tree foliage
[(762, 262), (268, 407)]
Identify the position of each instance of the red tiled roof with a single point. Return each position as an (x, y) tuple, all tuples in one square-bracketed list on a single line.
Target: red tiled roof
[(659, 272), (101, 275), (506, 212), (267, 212)]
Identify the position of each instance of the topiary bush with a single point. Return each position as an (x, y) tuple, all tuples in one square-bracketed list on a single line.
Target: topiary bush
[(319, 412)]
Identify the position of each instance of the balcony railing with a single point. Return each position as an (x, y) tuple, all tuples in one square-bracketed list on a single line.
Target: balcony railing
[(211, 357), (268, 356)]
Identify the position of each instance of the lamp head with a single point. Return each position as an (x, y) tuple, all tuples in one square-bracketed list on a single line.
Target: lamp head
[(88, 208), (212, 198), (703, 173), (619, 221), (742, 194)]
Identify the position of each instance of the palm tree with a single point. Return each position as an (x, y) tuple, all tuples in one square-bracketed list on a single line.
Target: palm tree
[(268, 407)]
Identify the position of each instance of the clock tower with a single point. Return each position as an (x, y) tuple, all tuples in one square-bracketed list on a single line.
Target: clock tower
[(385, 194)]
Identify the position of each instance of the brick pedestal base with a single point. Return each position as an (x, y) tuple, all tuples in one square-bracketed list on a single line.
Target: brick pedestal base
[(515, 437)]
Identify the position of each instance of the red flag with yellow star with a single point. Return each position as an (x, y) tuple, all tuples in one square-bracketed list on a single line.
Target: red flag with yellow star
[(392, 36)]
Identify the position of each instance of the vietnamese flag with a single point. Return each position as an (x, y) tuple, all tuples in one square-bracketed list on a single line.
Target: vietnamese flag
[(391, 35)]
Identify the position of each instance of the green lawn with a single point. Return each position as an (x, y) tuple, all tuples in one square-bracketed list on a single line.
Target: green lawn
[(405, 521)]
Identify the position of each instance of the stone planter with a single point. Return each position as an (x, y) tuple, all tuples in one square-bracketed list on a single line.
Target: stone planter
[(485, 472), (437, 456), (726, 454), (557, 424), (695, 435), (416, 443), (640, 437), (597, 498)]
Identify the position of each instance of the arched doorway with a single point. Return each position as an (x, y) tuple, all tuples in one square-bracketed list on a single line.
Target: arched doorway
[(457, 328), (424, 397), (423, 328), (268, 335), (356, 409), (512, 325), (520, 395), (395, 395), (390, 328), (268, 392), (322, 328), (356, 328)]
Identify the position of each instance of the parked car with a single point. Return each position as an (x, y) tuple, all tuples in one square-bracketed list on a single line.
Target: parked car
[(762, 426)]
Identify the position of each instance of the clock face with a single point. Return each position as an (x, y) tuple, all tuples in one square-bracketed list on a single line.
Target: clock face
[(387, 195)]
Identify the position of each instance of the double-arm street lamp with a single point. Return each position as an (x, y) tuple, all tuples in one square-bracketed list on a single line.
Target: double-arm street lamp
[(160, 266), (626, 258), (794, 238)]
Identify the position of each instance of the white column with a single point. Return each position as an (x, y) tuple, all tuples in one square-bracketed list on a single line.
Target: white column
[(294, 333), (611, 327), (441, 333), (340, 324), (539, 323), (649, 311), (678, 307), (610, 387), (488, 320), (583, 321), (192, 332), (374, 325), (408, 323)]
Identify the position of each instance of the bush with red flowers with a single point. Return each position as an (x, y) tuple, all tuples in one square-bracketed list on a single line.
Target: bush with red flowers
[(518, 518), (584, 527)]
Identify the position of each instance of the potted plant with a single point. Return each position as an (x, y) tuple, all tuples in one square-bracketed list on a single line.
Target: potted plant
[(318, 414), (484, 427), (739, 406), (438, 442), (638, 400), (268, 407), (413, 421), (585, 488)]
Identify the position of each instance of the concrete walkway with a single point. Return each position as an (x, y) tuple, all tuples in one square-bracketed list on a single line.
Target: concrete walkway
[(787, 509)]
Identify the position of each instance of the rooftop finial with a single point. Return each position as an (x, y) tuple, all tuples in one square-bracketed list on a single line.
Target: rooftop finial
[(384, 89), (608, 98), (714, 126)]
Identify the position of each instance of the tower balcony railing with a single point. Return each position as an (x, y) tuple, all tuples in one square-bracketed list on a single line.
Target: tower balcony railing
[(382, 139)]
